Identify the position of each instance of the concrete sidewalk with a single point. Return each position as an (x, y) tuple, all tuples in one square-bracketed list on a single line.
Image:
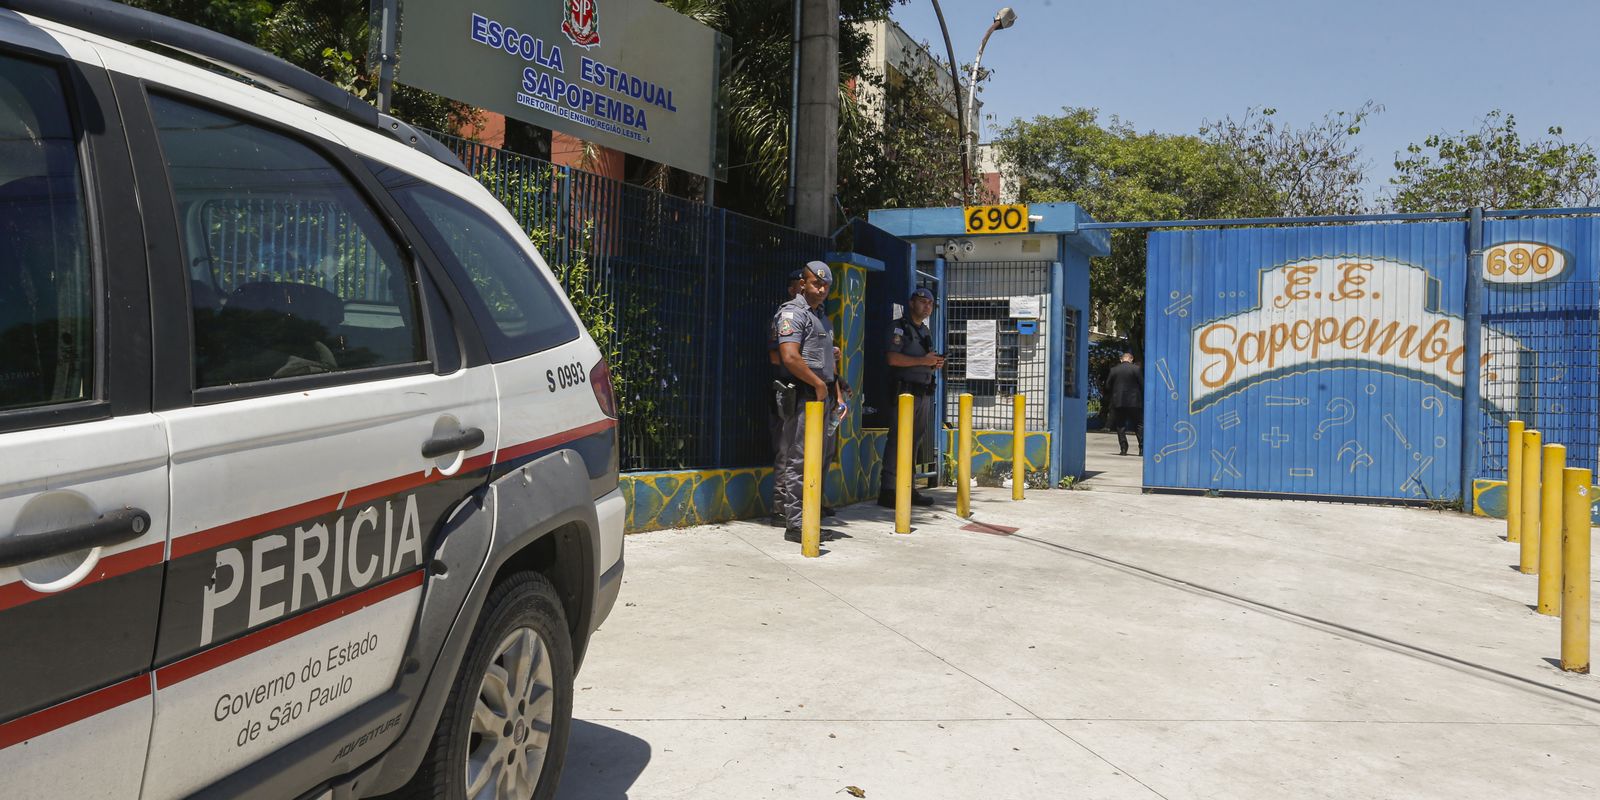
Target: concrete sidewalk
[(1109, 472), (1118, 645)]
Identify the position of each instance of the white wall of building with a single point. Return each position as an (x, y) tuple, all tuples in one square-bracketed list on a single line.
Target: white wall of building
[(892, 47)]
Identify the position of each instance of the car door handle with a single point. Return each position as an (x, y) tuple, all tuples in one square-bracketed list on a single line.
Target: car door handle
[(454, 443), (116, 527)]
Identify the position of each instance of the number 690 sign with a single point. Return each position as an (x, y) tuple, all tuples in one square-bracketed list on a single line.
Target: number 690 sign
[(997, 219)]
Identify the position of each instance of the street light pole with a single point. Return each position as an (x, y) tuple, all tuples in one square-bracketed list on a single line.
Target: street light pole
[(388, 27), (961, 124), (1004, 18)]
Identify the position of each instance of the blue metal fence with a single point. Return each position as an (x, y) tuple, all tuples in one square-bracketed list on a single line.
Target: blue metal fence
[(678, 293), (1541, 320), (302, 241)]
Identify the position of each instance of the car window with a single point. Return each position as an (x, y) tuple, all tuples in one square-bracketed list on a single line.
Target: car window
[(290, 272), (47, 288), (519, 308)]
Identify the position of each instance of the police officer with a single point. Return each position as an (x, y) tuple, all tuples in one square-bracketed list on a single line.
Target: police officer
[(912, 359), (774, 419), (806, 360)]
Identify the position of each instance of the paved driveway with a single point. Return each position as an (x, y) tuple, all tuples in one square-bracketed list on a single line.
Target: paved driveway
[(1118, 645)]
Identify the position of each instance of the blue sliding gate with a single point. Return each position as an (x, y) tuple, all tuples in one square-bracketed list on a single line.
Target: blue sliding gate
[(1333, 360)]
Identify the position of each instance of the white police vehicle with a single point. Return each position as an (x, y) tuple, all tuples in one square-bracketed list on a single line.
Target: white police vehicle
[(308, 470)]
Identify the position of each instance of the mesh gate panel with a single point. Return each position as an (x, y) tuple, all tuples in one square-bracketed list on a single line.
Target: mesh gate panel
[(984, 291), (1542, 353)]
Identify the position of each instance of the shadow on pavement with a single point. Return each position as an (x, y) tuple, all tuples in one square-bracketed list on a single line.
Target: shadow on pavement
[(602, 763)]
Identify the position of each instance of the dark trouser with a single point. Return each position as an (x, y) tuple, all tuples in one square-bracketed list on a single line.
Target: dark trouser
[(775, 426), (788, 477), (922, 413), (1123, 418)]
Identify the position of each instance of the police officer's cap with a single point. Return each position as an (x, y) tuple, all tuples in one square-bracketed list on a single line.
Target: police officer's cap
[(821, 271), (797, 275), (922, 291)]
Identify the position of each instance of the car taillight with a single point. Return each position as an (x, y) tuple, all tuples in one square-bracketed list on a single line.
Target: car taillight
[(600, 381)]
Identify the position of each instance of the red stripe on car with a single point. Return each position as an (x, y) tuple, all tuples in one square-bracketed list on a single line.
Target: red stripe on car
[(77, 709), (518, 451), (18, 593), (208, 660), (250, 526)]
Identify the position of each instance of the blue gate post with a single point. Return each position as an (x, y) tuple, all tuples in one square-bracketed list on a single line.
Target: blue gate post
[(1471, 370), (1056, 403), (563, 214), (718, 225), (941, 334)]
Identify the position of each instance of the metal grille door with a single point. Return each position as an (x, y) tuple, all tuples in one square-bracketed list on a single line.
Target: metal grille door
[(993, 290)]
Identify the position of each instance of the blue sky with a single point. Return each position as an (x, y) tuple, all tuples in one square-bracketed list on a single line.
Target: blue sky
[(1167, 65)]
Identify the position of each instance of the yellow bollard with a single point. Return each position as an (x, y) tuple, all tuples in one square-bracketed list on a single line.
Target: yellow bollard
[(964, 456), (811, 490), (902, 472), (1514, 481), (1575, 573), (1019, 447), (1530, 502), (1550, 522)]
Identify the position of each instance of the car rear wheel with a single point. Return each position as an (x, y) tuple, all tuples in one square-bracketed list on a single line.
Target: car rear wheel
[(503, 735)]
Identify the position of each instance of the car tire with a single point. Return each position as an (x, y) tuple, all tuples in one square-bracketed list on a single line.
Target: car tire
[(491, 729)]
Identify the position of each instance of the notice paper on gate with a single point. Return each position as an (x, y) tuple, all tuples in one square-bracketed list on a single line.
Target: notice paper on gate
[(1024, 307), (981, 338)]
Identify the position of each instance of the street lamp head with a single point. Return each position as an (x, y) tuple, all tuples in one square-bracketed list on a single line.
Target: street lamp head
[(1005, 18)]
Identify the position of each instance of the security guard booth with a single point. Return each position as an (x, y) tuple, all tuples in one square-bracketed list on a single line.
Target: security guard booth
[(1013, 289)]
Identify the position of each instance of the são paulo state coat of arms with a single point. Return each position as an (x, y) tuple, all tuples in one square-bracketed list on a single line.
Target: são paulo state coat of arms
[(582, 23)]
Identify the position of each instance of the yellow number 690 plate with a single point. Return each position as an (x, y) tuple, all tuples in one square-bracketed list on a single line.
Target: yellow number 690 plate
[(996, 219)]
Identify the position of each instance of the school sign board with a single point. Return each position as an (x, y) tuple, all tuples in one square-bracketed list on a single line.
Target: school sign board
[(627, 74)]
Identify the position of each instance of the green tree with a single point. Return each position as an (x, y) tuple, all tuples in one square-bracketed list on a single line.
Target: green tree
[(906, 151), (1494, 167), (241, 19), (1118, 173), (328, 38), (1309, 171), (902, 154), (758, 90)]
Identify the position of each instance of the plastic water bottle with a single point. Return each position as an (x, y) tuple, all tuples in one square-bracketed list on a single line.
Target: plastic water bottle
[(840, 411)]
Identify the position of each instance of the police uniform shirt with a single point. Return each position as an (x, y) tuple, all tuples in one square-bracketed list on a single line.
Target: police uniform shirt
[(914, 345), (796, 322), (772, 347)]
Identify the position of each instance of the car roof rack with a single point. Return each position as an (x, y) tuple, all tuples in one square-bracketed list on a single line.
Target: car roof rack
[(139, 27)]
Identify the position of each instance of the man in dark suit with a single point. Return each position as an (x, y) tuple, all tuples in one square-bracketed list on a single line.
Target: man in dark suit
[(1125, 397)]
